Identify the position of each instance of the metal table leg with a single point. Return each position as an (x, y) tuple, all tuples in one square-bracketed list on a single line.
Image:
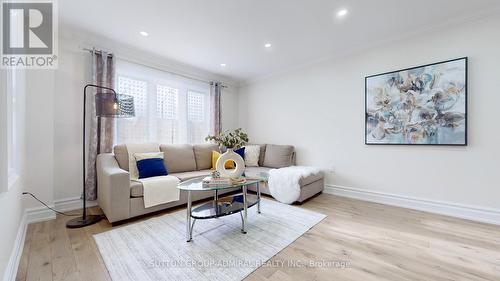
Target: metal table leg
[(216, 201), (189, 227), (245, 205), (258, 197)]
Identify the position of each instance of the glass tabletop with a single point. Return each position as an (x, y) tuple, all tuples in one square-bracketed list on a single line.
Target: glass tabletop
[(196, 184)]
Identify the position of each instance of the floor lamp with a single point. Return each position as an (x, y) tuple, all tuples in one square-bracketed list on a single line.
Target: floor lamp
[(108, 103)]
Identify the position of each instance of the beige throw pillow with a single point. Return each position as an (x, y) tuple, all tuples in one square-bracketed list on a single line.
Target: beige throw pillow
[(252, 153), (147, 155), (278, 156)]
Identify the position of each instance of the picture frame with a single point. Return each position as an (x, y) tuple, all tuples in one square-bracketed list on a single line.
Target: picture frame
[(421, 105)]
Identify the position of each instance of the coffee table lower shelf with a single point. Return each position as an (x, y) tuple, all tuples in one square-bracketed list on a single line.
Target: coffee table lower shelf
[(223, 207)]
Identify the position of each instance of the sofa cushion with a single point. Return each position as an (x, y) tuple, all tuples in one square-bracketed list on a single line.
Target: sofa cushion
[(257, 172), (121, 155), (262, 154), (178, 157), (137, 190), (310, 179), (203, 155), (278, 156)]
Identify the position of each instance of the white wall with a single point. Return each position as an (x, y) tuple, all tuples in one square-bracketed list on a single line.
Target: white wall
[(11, 204), (40, 135), (229, 108), (71, 76), (320, 110)]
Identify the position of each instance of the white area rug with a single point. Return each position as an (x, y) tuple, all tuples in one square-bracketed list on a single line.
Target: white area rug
[(156, 249)]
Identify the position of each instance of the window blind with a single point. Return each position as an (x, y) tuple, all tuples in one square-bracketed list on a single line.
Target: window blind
[(169, 109)]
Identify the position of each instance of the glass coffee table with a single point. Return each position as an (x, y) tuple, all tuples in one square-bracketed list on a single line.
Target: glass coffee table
[(219, 207)]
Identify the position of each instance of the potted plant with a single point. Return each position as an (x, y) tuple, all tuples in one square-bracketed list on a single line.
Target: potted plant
[(230, 140)]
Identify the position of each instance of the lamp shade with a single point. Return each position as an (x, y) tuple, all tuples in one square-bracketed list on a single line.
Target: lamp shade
[(114, 105)]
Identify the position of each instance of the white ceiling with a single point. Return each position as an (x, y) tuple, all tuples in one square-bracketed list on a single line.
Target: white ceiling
[(204, 33)]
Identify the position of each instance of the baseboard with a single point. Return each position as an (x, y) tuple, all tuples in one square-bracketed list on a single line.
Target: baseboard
[(39, 214), (474, 213), (70, 204), (17, 251)]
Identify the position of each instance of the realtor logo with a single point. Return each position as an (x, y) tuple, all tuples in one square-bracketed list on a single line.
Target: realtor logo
[(29, 35)]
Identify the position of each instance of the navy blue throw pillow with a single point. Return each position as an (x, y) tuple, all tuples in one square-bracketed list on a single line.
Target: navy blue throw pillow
[(152, 167), (241, 152)]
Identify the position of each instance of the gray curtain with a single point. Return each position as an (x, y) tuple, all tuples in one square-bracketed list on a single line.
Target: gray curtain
[(215, 107), (101, 130)]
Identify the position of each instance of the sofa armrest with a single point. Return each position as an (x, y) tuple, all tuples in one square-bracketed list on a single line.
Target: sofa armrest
[(113, 188)]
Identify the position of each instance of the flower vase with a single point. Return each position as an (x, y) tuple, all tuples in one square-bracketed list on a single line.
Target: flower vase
[(230, 155)]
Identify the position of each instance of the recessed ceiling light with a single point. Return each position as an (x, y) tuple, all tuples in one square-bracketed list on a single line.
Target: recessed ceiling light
[(342, 12), (143, 33), (223, 65), (268, 45)]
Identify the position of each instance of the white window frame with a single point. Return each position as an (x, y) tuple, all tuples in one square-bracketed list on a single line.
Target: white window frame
[(9, 127), (4, 88), (11, 119), (179, 110), (206, 106), (154, 77), (134, 77), (14, 126)]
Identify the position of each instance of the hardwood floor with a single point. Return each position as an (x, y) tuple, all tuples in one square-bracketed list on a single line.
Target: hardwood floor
[(375, 242)]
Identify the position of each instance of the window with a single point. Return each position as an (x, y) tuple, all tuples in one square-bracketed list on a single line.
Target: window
[(168, 109), (167, 113), (134, 130), (196, 117)]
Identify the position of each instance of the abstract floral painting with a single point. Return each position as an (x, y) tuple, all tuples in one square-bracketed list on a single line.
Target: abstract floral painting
[(425, 105)]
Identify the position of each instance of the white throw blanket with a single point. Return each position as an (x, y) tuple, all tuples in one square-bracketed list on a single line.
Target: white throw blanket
[(157, 190), (284, 182), (160, 190)]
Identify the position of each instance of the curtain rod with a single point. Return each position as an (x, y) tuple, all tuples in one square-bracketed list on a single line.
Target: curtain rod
[(157, 68)]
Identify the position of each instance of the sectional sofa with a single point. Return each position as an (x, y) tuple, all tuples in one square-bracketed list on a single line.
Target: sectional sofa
[(121, 199)]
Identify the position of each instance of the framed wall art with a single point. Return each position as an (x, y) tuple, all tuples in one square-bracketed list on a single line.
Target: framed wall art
[(424, 105)]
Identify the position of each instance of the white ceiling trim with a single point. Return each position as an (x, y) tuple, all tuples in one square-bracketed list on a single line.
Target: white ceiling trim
[(78, 39)]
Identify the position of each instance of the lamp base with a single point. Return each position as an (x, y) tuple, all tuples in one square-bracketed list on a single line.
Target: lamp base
[(82, 222)]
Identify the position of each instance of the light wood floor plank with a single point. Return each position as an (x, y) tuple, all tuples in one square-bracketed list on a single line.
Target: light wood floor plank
[(377, 242), (40, 258), (87, 258), (64, 266)]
